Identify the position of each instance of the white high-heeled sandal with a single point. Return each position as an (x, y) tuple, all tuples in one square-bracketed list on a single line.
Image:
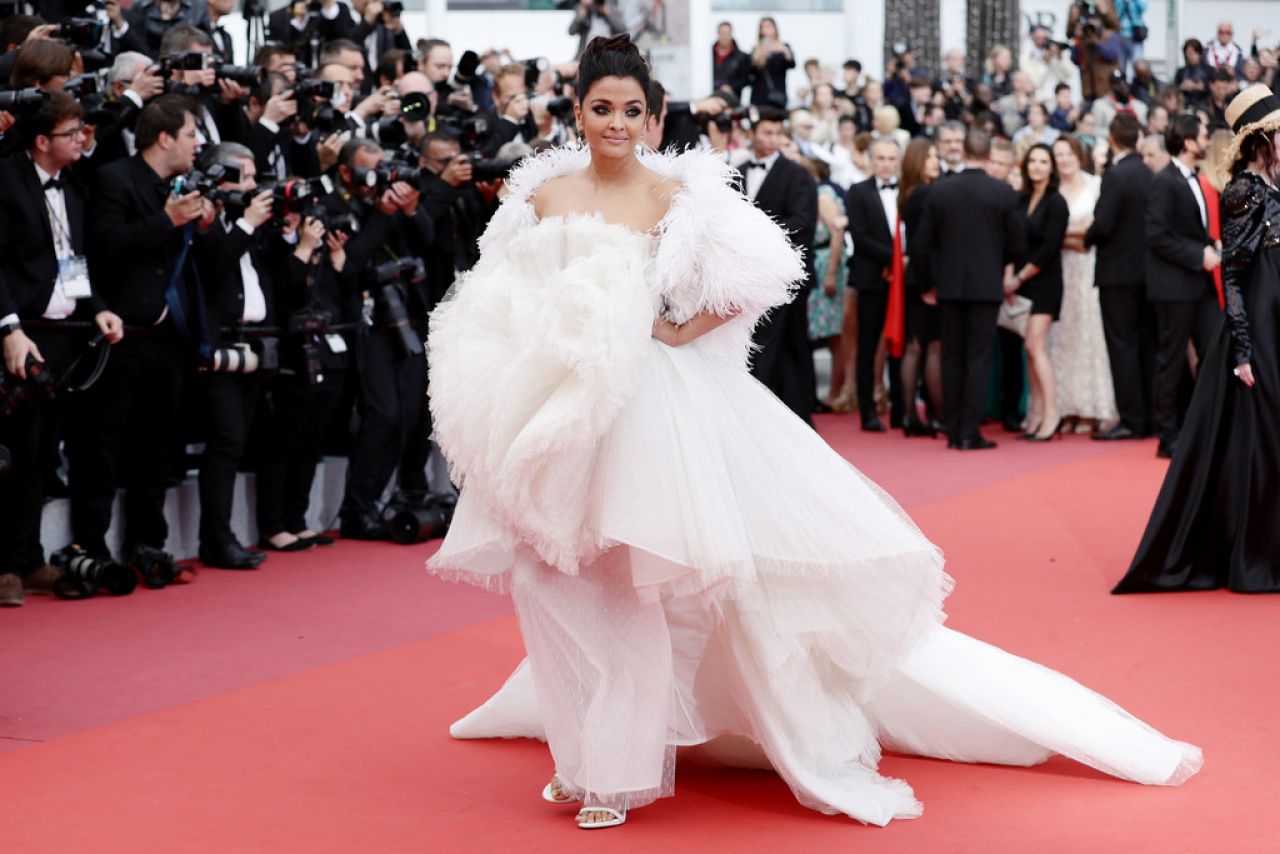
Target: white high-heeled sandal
[(548, 794), (618, 818)]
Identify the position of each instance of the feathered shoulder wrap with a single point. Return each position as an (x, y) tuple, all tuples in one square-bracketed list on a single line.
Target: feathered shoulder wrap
[(717, 252)]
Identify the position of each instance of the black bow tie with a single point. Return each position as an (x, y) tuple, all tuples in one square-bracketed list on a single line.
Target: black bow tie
[(53, 184), (756, 164), (888, 185)]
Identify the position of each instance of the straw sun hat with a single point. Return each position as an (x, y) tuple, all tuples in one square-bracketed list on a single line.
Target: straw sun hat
[(1253, 109)]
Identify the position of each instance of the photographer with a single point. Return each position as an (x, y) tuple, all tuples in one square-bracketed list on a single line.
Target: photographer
[(43, 277), (594, 18), (315, 290), (144, 27), (218, 116), (133, 81), (392, 228), (236, 285), (272, 112), (514, 120), (1097, 47), (305, 26), (380, 31), (138, 259)]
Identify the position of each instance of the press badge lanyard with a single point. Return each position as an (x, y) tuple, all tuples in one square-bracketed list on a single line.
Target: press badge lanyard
[(73, 270)]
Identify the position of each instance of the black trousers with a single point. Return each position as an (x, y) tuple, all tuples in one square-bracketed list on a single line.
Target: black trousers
[(1128, 322), (391, 400), (1176, 324), (1012, 377), (968, 337), (411, 480), (230, 401), (31, 434), (873, 306), (125, 433), (784, 361), (298, 419)]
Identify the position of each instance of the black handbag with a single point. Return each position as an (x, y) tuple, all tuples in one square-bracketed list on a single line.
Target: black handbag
[(1138, 33)]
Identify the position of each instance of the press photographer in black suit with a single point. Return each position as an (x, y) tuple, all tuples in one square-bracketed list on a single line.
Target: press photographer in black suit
[(392, 225), (235, 282), (305, 29), (785, 192), (126, 426), (1119, 232), (43, 277), (973, 228), (315, 290), (1181, 258), (870, 205)]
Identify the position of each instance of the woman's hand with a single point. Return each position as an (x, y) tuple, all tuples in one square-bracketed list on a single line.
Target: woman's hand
[(1244, 372), (666, 332), (829, 282)]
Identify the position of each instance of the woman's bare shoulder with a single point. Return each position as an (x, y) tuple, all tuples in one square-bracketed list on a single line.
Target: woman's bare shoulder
[(550, 196)]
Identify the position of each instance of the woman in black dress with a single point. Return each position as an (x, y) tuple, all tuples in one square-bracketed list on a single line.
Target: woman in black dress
[(770, 62), (1039, 279), (1215, 521), (920, 168)]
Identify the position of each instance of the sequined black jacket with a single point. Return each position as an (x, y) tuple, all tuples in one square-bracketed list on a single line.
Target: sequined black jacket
[(1250, 223)]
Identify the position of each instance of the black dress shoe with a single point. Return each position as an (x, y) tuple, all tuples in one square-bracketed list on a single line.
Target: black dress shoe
[(1117, 432), (1012, 425), (231, 555), (317, 540), (1165, 450), (297, 545), (918, 428), (820, 407), (974, 443), (872, 425), (366, 526)]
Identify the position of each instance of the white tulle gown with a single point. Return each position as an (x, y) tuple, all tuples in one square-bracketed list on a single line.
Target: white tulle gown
[(689, 562)]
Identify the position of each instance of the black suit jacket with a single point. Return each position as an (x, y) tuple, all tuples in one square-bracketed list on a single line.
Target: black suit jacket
[(133, 245), (1176, 239), (790, 197), (319, 29), (28, 260), (872, 238), (216, 254), (972, 227), (1119, 224)]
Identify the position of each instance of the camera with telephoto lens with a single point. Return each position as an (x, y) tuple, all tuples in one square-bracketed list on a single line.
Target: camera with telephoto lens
[(186, 60), (14, 392), (205, 183), (81, 32), (84, 85), (1089, 24), (255, 356), (389, 279), (246, 75), (157, 567), (23, 102), (421, 521), (390, 172), (310, 325), (83, 575)]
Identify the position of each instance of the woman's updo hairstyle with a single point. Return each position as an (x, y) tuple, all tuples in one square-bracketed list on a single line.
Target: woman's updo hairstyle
[(612, 57)]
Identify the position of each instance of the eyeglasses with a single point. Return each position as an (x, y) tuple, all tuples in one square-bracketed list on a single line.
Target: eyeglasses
[(78, 130)]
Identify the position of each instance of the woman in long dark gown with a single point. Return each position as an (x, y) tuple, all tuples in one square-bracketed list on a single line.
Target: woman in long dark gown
[(922, 358), (1216, 522)]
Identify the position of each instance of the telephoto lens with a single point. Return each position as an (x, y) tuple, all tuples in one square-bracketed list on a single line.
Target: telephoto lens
[(426, 521), (157, 568), (84, 575)]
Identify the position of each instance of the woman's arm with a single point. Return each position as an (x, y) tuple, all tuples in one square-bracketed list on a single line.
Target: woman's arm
[(830, 215), (677, 335)]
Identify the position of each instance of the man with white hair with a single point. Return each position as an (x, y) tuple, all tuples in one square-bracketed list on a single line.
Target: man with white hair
[(1012, 108), (1154, 154), (1222, 52), (133, 80)]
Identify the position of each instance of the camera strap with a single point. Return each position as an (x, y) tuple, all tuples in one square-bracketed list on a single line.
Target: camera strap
[(100, 353), (196, 338)]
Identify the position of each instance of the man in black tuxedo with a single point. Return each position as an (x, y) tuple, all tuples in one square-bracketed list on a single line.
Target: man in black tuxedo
[(1181, 258), (972, 228), (873, 218), (138, 234), (43, 278), (217, 102), (512, 115), (1119, 232), (392, 226), (236, 286), (785, 192), (221, 38)]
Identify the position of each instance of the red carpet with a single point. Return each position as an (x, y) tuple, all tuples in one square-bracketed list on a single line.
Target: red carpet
[(304, 707)]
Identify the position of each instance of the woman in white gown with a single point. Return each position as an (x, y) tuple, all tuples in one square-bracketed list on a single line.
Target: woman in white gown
[(687, 559), (1077, 346)]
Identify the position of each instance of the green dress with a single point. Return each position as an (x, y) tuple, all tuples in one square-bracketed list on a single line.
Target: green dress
[(824, 311)]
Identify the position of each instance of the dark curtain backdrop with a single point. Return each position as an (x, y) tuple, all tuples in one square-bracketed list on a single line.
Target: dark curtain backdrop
[(991, 22)]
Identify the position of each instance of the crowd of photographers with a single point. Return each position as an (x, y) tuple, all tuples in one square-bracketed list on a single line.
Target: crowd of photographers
[(234, 253)]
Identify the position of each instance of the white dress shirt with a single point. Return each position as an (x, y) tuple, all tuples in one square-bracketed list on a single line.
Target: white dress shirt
[(1194, 182), (756, 175), (60, 305), (255, 302)]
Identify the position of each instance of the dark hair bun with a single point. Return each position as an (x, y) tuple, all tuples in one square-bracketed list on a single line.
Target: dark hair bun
[(612, 57)]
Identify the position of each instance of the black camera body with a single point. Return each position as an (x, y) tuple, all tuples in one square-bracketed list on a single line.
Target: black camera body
[(14, 392), (246, 75), (422, 521), (310, 324), (187, 60), (205, 183), (81, 32), (157, 567), (388, 280), (256, 356), (23, 102), (84, 575)]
